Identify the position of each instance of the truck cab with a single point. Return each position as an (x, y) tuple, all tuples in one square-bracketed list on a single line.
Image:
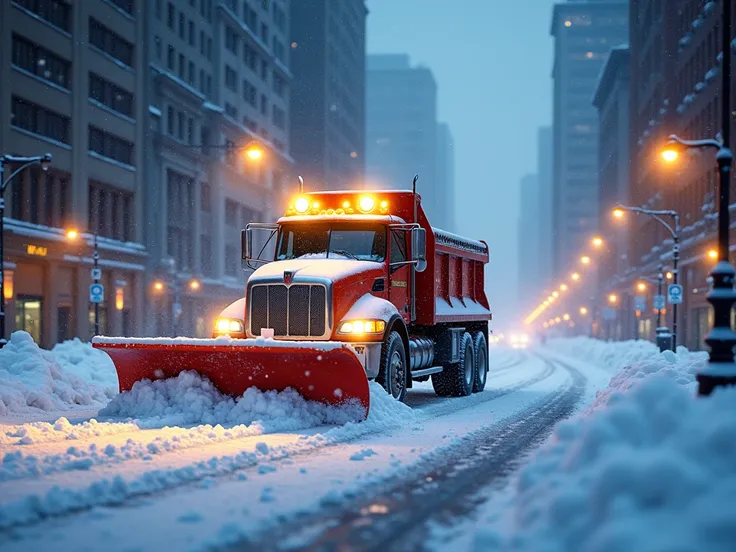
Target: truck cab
[(354, 267)]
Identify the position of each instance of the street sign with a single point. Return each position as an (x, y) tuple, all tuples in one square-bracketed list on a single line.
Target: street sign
[(674, 294), (659, 302), (640, 302), (96, 273), (609, 313), (96, 293)]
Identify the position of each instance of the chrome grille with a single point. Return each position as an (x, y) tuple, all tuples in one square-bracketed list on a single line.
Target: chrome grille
[(296, 311)]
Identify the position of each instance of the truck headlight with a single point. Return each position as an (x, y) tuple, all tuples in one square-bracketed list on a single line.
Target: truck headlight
[(358, 327), (229, 326)]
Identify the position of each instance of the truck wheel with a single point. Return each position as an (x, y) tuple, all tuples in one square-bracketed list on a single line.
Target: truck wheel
[(481, 362), (392, 373), (456, 380)]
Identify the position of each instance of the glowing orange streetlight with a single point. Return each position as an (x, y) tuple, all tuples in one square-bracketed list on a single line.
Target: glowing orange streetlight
[(669, 275), (613, 298), (566, 317), (585, 259), (618, 213), (158, 285), (670, 155), (575, 276), (254, 152), (194, 285), (555, 294), (713, 254), (583, 311), (563, 287), (597, 241), (641, 286), (72, 234)]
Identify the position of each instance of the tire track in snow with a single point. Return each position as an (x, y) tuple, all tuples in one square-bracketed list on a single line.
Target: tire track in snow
[(395, 515), (117, 491)]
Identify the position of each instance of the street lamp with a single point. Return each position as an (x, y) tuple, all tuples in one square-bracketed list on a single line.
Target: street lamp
[(613, 298), (675, 233), (713, 254), (175, 282), (670, 155), (721, 370), (72, 234), (583, 311), (597, 241), (575, 276), (24, 162), (585, 260)]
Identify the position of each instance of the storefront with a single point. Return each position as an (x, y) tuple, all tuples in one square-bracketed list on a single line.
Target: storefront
[(47, 279)]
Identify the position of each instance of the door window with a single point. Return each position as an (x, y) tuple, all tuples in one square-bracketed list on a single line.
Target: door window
[(28, 314)]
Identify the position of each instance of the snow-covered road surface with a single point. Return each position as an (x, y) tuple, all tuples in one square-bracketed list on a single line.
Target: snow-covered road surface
[(118, 486)]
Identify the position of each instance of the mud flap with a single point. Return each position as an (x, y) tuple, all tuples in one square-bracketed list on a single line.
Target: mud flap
[(329, 373)]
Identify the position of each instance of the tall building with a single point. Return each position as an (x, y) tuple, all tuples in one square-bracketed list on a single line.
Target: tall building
[(327, 126), (675, 88), (74, 76), (546, 203), (612, 102), (135, 100), (402, 129), (446, 176), (218, 76), (584, 34), (529, 242)]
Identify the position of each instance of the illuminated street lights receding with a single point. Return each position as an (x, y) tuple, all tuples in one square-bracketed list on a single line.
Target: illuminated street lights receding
[(670, 155), (583, 311), (613, 298), (575, 276), (618, 213), (254, 152), (194, 285), (563, 287), (72, 234), (158, 285), (669, 275), (597, 241), (555, 294), (713, 254), (585, 259), (641, 286)]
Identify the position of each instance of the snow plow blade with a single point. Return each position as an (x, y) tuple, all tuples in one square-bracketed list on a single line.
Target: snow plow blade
[(329, 372)]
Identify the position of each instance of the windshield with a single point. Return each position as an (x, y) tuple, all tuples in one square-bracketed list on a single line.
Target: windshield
[(333, 241)]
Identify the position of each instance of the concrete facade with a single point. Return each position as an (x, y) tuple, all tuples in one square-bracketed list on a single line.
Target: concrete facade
[(124, 94), (446, 175), (584, 34)]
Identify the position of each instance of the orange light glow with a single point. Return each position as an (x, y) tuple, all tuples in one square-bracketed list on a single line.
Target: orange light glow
[(618, 213), (597, 241), (670, 155), (72, 234), (585, 259), (613, 298), (254, 152), (575, 276), (563, 287), (158, 285), (641, 286), (194, 285), (583, 311), (713, 254), (119, 299)]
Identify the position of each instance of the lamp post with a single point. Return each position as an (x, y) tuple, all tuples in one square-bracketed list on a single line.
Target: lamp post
[(24, 162), (675, 233), (721, 370), (72, 234)]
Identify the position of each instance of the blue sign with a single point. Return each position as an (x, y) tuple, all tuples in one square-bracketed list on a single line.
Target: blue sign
[(674, 294), (659, 302), (96, 293), (640, 303)]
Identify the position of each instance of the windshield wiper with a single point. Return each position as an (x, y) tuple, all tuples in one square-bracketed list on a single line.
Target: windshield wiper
[(343, 253)]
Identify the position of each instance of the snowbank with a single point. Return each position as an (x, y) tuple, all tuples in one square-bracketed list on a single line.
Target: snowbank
[(611, 356), (70, 375), (648, 467), (190, 399)]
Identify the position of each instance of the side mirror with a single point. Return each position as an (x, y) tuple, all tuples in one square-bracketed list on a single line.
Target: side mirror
[(419, 248), (246, 243)]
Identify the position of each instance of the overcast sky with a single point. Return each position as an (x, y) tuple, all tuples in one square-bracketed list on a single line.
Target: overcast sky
[(492, 61)]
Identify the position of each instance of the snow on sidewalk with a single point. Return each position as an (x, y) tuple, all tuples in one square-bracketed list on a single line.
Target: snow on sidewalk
[(649, 466), (73, 374), (612, 355)]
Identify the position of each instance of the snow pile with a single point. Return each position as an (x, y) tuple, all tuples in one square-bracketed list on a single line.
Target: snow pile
[(191, 399), (649, 467), (611, 356), (32, 378)]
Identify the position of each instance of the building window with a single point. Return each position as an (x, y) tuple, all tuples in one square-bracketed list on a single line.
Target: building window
[(41, 197), (264, 105), (42, 63), (279, 50), (110, 211), (157, 43), (264, 33), (110, 146), (209, 49), (279, 118), (170, 58), (231, 78), (180, 206), (205, 197), (181, 66), (125, 5), (109, 42), (206, 255), (264, 70), (170, 121), (190, 130), (231, 213), (249, 93), (279, 18), (171, 16), (279, 85), (231, 110), (29, 315), (182, 23), (192, 72), (159, 6), (232, 260), (231, 40), (250, 57), (39, 120), (56, 12), (180, 126), (191, 33), (111, 95)]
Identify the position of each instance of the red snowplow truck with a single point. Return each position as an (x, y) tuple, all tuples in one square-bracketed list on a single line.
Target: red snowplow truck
[(360, 287)]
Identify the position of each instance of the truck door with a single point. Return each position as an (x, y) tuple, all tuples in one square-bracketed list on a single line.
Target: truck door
[(399, 273)]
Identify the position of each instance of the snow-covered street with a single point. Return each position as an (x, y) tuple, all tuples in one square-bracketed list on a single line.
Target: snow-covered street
[(175, 465), (75, 484)]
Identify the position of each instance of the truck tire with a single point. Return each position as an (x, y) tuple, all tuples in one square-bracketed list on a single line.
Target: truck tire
[(481, 362), (393, 370), (456, 380)]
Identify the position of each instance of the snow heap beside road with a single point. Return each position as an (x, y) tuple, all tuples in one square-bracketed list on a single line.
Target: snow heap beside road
[(611, 356), (190, 399), (648, 467), (71, 375)]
